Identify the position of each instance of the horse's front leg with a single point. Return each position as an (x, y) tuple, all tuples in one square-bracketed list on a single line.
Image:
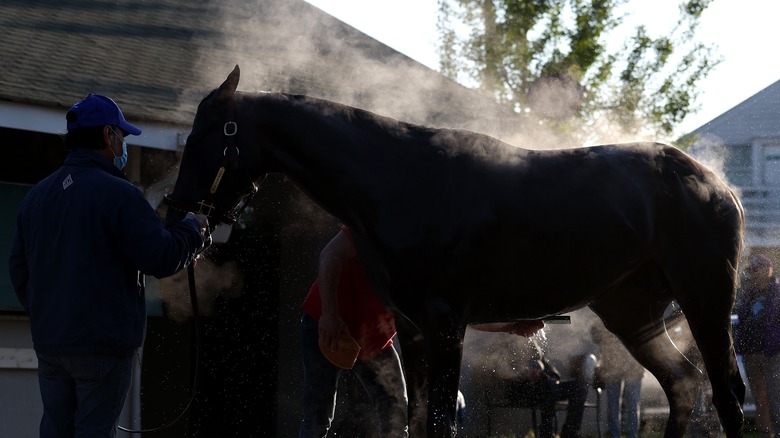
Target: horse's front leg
[(444, 340), (416, 372)]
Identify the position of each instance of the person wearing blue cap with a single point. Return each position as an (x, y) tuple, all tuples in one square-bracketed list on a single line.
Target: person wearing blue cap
[(85, 237)]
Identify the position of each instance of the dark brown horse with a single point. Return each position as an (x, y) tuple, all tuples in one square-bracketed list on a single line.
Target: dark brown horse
[(455, 227)]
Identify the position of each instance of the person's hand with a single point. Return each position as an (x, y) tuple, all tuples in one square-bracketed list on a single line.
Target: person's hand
[(525, 328), (330, 328), (202, 219)]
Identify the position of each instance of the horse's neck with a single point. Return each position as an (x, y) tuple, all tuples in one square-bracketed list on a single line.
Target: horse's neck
[(335, 162)]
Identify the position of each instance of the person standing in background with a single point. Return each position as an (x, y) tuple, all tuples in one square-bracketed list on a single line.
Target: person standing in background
[(621, 375), (757, 339)]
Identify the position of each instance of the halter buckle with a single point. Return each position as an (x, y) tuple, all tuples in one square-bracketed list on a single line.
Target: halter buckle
[(230, 129)]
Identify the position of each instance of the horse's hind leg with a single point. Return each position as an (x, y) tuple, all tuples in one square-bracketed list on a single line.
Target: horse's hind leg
[(634, 313), (705, 291)]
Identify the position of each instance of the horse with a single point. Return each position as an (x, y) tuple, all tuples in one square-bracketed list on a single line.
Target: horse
[(455, 227)]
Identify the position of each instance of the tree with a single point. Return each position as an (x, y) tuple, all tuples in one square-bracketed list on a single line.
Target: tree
[(548, 60)]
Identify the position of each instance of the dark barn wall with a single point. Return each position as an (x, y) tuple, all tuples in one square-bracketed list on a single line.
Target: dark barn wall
[(166, 377), (28, 157), (239, 355), (305, 230)]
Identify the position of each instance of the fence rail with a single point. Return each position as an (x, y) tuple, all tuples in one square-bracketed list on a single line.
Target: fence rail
[(762, 215)]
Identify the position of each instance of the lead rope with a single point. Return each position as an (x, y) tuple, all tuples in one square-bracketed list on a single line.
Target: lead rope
[(197, 343)]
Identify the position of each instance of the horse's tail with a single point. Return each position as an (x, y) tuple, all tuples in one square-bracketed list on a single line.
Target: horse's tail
[(740, 244), (703, 226)]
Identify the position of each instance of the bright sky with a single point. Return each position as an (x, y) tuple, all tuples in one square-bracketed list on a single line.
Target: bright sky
[(746, 34)]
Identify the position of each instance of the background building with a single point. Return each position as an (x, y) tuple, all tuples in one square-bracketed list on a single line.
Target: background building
[(745, 142)]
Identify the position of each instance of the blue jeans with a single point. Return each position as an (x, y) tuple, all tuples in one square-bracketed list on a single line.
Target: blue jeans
[(625, 414), (82, 395), (381, 376)]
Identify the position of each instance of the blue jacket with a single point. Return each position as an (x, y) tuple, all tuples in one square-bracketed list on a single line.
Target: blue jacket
[(82, 236)]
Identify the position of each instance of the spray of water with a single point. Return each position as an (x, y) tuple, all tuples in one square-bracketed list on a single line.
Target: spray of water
[(213, 280)]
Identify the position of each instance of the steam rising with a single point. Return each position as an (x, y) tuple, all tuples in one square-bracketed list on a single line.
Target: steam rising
[(212, 280), (293, 47), (710, 151), (490, 359)]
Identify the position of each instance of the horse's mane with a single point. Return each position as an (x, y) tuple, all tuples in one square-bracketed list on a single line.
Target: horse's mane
[(355, 115), (454, 141)]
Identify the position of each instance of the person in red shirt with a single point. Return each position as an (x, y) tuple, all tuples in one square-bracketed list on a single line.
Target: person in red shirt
[(341, 302)]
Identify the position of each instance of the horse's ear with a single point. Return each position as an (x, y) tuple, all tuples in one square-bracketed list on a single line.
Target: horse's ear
[(228, 87)]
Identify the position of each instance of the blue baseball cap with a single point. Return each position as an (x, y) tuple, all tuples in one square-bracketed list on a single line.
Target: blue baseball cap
[(96, 110)]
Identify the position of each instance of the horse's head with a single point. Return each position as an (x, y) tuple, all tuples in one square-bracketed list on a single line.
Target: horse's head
[(217, 172)]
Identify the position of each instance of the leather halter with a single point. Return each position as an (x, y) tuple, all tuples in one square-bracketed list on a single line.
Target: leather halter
[(230, 161)]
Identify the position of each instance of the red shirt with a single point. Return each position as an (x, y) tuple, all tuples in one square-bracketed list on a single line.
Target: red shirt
[(372, 326)]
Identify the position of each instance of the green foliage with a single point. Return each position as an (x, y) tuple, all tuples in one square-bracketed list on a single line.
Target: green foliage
[(548, 60)]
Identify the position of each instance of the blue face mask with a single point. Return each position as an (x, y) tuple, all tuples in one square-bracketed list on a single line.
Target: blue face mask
[(121, 161)]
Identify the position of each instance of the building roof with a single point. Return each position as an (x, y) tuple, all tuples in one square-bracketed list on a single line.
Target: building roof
[(158, 58), (756, 117)]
